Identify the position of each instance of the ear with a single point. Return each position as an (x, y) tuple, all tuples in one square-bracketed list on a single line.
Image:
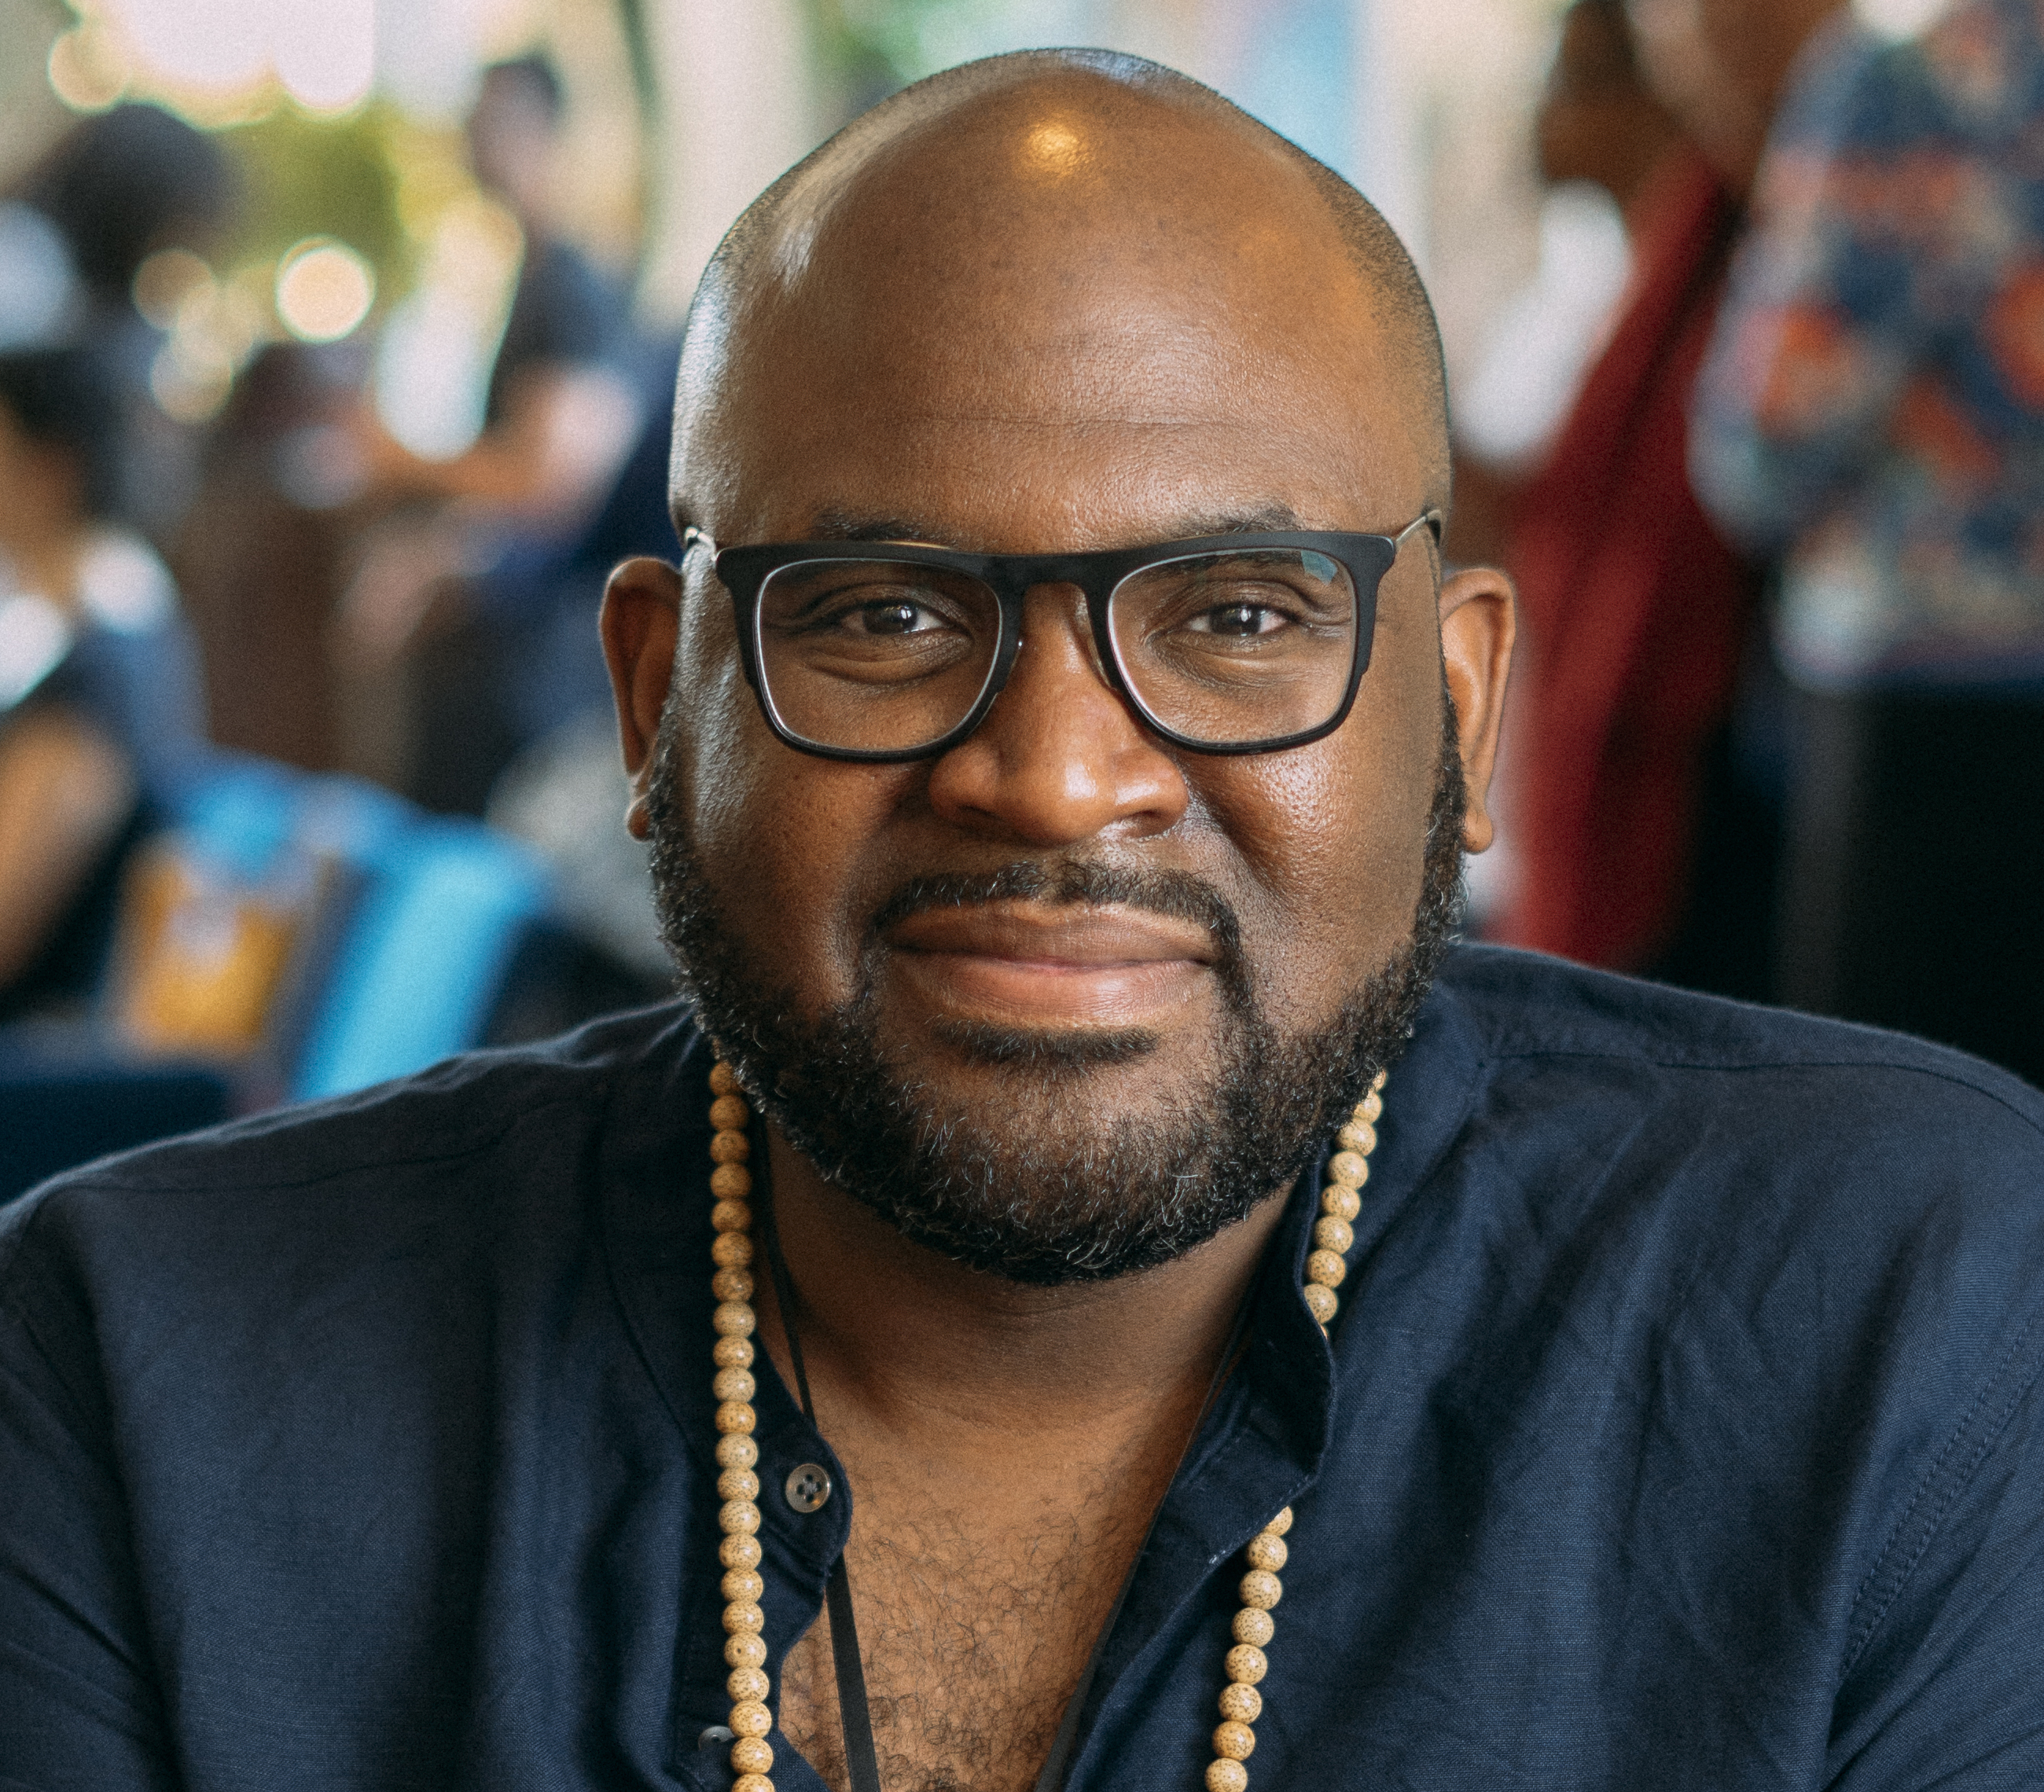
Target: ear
[(641, 623), (1477, 614)]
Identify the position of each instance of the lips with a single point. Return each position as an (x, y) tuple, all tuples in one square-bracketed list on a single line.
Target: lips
[(1029, 963)]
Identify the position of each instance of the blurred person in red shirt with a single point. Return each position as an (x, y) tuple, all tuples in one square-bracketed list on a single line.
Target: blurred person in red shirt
[(1645, 842)]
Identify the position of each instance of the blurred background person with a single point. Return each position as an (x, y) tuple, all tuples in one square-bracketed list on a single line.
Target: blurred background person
[(1633, 611), (101, 720), (1873, 414), (114, 190), (460, 600), (1599, 136)]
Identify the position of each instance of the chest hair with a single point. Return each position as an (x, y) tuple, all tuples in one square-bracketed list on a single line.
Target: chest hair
[(973, 1638)]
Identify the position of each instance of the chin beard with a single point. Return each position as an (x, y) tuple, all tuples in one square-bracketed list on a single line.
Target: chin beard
[(1034, 1186)]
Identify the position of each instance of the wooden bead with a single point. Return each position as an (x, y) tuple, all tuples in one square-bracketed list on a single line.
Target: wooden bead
[(745, 1650), (1261, 1590), (1371, 1106), (733, 1353), (1321, 1301), (736, 1450), (731, 1216), (1326, 1268), (728, 1114), (732, 1285), (736, 1415), (1234, 1742), (1238, 1703), (748, 1683), (731, 1182), (750, 1717), (743, 1620), (1280, 1524), (722, 1080), (751, 1782), (733, 1250), (729, 1148), (733, 1384), (1342, 1203), (1359, 1135), (1332, 1234), (1253, 1627), (1345, 1167), (742, 1587), (733, 1319), (738, 1515), (751, 1755), (738, 1484), (1247, 1664), (1267, 1552), (1227, 1776), (740, 1550)]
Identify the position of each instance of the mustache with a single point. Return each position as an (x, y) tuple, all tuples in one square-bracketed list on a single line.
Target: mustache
[(1176, 895)]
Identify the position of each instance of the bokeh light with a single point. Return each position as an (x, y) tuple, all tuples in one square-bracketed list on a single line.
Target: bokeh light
[(90, 68), (323, 289), (164, 281)]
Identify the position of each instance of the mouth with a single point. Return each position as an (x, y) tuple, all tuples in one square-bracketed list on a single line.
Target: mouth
[(1034, 966)]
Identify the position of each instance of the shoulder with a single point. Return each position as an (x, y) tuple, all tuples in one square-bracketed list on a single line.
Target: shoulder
[(460, 1137), (1759, 1148), (1524, 1006), (1741, 1106)]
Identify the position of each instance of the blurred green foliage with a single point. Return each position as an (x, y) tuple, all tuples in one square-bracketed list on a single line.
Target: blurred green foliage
[(307, 176), (882, 43)]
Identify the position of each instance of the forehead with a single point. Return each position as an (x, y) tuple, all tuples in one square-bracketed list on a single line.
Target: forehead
[(1053, 314)]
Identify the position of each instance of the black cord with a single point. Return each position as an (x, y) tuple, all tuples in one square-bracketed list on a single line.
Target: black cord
[(862, 1763)]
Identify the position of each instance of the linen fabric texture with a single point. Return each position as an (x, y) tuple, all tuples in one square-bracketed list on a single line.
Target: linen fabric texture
[(1678, 1429)]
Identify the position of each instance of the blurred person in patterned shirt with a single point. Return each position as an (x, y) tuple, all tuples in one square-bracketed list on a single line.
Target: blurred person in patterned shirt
[(1872, 414)]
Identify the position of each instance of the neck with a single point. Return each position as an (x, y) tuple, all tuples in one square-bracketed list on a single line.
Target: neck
[(898, 1339)]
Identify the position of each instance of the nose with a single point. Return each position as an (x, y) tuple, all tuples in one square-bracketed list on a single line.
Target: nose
[(1061, 757)]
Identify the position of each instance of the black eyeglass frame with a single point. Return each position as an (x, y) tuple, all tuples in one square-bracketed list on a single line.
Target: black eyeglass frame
[(743, 572)]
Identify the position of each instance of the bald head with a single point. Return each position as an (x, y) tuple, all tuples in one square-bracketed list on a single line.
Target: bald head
[(1044, 225)]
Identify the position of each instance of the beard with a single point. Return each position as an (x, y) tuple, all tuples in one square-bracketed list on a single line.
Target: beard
[(1036, 1186)]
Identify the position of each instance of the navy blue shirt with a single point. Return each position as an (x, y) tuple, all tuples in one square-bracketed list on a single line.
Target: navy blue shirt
[(1679, 1430)]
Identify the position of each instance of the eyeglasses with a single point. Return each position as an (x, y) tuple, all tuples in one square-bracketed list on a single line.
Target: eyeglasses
[(1238, 643)]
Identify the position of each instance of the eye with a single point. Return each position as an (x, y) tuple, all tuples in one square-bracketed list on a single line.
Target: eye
[(1239, 621), (892, 618)]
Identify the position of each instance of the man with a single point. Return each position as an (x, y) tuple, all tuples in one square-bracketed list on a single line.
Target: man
[(1873, 416), (1673, 1426)]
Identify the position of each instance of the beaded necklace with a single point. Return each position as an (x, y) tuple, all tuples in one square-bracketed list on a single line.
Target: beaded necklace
[(738, 1486)]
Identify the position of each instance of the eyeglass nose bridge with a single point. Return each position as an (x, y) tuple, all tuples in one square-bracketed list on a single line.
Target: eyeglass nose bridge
[(1012, 582)]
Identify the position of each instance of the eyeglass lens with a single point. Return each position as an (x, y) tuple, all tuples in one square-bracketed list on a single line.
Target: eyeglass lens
[(1219, 649)]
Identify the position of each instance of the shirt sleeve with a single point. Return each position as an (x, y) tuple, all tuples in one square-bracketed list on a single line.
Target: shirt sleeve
[(79, 1710), (1820, 329), (1943, 1681)]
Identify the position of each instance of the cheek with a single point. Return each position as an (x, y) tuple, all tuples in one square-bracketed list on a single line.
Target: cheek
[(780, 835), (1332, 837)]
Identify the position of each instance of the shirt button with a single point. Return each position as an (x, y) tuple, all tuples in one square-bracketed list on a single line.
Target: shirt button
[(807, 1487), (715, 1735)]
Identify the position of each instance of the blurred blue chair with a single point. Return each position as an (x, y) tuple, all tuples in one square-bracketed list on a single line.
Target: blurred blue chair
[(285, 936), (407, 924)]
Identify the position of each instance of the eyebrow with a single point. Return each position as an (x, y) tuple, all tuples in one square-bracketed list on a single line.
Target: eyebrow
[(845, 525)]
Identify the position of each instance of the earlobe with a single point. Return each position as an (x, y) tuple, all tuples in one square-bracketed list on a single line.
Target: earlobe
[(640, 625), (1477, 614)]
